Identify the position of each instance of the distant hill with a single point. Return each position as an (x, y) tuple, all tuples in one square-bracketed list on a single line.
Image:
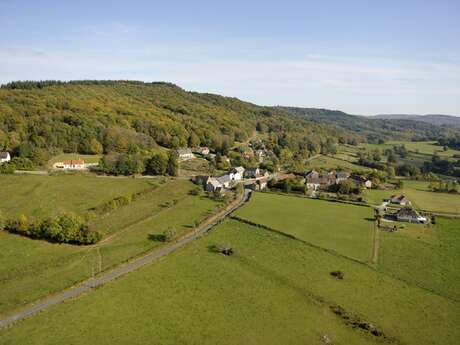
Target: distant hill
[(374, 128), (434, 119)]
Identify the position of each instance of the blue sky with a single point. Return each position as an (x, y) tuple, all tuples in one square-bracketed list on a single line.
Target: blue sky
[(363, 57)]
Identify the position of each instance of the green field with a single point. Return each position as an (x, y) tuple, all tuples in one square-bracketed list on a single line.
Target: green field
[(428, 257), (41, 195), (326, 162), (420, 196), (30, 269), (274, 290), (346, 229), (423, 147)]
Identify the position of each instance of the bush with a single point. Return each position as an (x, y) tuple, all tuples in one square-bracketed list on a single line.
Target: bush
[(65, 228), (169, 234)]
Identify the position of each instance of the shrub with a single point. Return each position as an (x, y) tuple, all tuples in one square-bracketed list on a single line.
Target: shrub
[(169, 234)]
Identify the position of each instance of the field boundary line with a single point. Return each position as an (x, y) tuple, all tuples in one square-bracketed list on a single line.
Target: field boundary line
[(292, 237), (123, 269)]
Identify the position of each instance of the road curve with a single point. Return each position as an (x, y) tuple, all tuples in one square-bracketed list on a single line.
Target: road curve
[(103, 278)]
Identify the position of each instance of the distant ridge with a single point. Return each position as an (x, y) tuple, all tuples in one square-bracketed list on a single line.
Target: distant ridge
[(435, 119)]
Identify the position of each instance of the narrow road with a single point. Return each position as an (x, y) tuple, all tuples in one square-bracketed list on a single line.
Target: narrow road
[(155, 254)]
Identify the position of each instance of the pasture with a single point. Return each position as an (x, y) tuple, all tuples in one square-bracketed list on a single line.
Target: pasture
[(30, 269), (35, 195), (422, 147), (273, 290), (420, 196), (344, 228), (327, 162), (428, 257)]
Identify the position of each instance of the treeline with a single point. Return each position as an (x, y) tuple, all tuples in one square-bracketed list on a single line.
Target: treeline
[(451, 142), (132, 164), (40, 84), (64, 228)]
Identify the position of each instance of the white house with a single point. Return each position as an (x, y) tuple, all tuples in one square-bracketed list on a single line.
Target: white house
[(213, 185), (237, 174), (185, 154), (224, 180), (5, 157), (202, 150), (408, 214)]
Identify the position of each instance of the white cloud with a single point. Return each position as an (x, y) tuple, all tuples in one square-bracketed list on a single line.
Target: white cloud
[(357, 85)]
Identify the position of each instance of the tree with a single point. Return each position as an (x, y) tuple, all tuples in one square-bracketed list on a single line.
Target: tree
[(157, 165), (95, 147), (169, 234), (173, 164)]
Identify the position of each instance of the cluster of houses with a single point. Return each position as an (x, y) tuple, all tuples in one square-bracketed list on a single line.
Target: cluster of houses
[(316, 181), (4, 157), (253, 178), (404, 214)]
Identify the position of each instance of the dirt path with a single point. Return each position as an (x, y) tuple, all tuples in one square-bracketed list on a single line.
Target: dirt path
[(375, 252), (119, 271)]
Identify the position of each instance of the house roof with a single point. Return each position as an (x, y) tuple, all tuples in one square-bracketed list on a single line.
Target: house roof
[(408, 212), (224, 179), (397, 197), (239, 170), (214, 182), (342, 174), (184, 151), (74, 162), (4, 155)]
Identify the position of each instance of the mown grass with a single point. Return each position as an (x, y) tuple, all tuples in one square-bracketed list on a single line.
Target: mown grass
[(43, 195), (428, 257), (274, 290), (30, 269), (347, 229), (420, 196)]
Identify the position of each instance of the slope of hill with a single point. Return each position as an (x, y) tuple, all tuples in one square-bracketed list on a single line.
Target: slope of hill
[(92, 117), (434, 119), (373, 128)]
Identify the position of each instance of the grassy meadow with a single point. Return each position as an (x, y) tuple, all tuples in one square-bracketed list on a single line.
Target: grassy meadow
[(35, 195), (30, 269), (420, 196), (273, 290), (344, 228), (428, 257)]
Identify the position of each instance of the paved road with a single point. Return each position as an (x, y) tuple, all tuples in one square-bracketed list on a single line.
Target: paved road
[(122, 270)]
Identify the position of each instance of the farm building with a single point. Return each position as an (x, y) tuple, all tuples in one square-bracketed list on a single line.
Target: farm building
[(237, 173), (225, 180), (202, 150), (260, 184), (5, 157), (213, 185), (399, 200), (361, 181), (185, 154), (342, 176), (408, 214), (74, 164)]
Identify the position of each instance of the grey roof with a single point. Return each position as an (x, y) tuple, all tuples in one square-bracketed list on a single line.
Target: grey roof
[(184, 151), (4, 155), (224, 179), (214, 182), (408, 212)]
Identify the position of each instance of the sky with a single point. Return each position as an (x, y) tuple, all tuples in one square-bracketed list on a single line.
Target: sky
[(362, 57)]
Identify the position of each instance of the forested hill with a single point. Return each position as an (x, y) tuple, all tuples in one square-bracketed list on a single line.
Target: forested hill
[(373, 128), (431, 118), (39, 119)]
